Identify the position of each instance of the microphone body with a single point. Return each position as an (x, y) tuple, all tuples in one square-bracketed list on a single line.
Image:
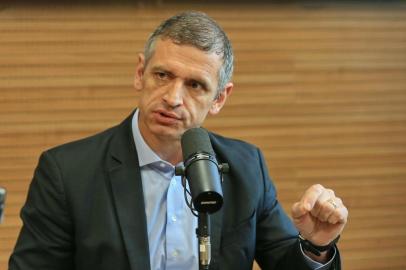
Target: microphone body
[(202, 171)]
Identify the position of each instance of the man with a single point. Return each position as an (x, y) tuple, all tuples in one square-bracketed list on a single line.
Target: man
[(112, 201)]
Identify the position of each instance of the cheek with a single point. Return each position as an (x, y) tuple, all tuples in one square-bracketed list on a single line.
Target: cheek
[(198, 109), (150, 95)]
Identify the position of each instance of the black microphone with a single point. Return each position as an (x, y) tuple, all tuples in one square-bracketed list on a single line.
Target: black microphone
[(202, 171), (203, 174)]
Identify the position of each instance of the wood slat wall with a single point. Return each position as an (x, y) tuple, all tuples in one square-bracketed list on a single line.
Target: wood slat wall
[(321, 89)]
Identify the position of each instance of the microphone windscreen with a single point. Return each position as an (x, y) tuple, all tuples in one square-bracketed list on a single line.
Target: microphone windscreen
[(196, 140)]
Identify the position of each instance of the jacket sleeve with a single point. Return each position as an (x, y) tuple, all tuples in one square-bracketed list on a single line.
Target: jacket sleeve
[(45, 240), (277, 245)]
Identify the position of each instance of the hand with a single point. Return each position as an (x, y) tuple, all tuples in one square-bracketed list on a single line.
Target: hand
[(319, 216)]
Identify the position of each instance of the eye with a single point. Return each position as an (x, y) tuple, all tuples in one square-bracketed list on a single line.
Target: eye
[(196, 85), (161, 75)]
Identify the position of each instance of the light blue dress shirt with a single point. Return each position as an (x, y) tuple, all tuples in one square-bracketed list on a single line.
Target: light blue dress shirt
[(170, 223)]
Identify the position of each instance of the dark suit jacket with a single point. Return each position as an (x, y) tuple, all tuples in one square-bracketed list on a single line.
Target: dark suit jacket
[(85, 210)]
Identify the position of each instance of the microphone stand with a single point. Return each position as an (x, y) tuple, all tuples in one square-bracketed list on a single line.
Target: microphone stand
[(203, 235)]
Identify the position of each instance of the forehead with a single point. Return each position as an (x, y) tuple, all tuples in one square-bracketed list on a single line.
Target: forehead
[(186, 60)]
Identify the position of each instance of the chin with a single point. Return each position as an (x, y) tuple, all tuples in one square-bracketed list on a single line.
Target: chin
[(167, 132)]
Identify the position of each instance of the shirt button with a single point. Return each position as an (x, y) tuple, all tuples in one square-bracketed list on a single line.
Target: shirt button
[(174, 218), (175, 253), (162, 165)]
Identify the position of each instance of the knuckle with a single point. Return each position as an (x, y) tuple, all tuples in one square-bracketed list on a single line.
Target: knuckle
[(324, 216), (316, 210), (328, 207), (346, 213), (294, 207), (330, 191), (333, 219), (318, 187)]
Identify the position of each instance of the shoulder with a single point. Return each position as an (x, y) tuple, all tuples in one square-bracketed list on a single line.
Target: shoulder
[(92, 150), (234, 148), (84, 146), (245, 160)]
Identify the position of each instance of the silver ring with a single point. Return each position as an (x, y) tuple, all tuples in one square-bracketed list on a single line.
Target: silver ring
[(333, 203)]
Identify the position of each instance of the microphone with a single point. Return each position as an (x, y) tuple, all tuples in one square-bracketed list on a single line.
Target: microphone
[(204, 176), (2, 201), (202, 171)]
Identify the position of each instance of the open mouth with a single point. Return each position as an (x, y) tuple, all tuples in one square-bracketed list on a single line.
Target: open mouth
[(165, 115), (167, 118), (169, 115)]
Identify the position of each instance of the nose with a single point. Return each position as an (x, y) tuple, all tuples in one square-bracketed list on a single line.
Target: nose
[(174, 94)]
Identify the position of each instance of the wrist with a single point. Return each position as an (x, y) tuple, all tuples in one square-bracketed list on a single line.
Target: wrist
[(317, 250), (324, 257)]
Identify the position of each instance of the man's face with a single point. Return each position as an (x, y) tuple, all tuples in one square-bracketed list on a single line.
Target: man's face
[(178, 89)]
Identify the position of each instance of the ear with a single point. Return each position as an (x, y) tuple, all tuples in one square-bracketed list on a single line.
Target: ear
[(219, 102), (139, 72)]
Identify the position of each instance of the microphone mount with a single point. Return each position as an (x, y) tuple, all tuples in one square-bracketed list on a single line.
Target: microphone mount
[(180, 170)]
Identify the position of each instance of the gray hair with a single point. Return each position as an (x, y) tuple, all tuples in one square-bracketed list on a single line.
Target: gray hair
[(198, 30)]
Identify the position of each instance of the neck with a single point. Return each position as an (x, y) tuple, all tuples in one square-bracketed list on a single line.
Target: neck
[(166, 147)]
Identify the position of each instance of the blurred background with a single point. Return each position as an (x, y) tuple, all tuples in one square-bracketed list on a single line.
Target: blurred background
[(320, 87)]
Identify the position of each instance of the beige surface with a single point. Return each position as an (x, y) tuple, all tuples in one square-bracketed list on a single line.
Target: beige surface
[(321, 90)]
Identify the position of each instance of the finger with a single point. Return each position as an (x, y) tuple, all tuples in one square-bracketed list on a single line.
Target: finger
[(325, 205), (335, 216), (320, 200), (311, 196), (343, 216), (340, 215), (327, 213), (298, 210)]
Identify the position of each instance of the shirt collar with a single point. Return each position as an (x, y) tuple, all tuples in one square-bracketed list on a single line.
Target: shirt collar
[(146, 155)]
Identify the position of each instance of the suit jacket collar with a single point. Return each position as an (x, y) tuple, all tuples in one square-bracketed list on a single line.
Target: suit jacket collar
[(126, 185)]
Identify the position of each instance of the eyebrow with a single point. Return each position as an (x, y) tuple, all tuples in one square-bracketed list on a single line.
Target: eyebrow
[(201, 81), (160, 68)]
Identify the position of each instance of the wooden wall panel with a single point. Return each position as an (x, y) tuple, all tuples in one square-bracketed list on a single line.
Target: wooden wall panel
[(321, 89)]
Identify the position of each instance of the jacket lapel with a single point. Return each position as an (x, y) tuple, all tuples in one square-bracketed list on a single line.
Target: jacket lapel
[(126, 185), (216, 221), (217, 218)]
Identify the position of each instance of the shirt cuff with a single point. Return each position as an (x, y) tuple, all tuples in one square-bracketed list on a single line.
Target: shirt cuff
[(316, 265)]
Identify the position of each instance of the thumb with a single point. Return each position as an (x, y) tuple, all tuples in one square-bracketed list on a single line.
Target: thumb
[(298, 210)]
